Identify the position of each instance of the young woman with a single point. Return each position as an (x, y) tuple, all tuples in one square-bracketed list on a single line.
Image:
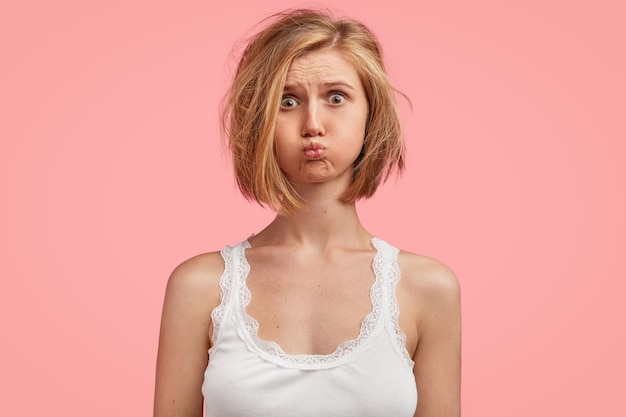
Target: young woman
[(312, 316)]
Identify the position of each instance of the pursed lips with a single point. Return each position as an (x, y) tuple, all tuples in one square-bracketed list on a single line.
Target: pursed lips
[(314, 150)]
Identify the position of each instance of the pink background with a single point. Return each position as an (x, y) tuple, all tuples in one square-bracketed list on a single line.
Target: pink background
[(112, 172)]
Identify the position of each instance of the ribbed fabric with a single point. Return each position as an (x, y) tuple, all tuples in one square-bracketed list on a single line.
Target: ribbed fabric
[(370, 376)]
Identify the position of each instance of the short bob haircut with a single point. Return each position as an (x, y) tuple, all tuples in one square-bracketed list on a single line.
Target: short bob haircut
[(251, 106)]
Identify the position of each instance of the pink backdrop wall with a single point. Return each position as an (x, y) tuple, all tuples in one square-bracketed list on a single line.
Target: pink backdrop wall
[(111, 173)]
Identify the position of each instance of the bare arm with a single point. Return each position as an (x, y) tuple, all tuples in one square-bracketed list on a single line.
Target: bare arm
[(437, 355), (192, 293)]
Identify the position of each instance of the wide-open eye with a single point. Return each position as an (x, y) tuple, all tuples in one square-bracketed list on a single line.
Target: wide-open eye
[(288, 102), (337, 98)]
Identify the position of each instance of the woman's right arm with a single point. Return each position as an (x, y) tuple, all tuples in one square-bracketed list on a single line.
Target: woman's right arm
[(191, 295)]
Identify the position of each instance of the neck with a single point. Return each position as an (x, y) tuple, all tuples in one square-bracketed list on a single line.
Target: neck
[(322, 224)]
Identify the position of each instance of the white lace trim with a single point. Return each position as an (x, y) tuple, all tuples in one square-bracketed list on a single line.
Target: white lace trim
[(344, 353), (217, 315), (393, 308), (384, 288)]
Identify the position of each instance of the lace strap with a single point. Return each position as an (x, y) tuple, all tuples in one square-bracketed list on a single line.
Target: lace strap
[(270, 351), (391, 273), (227, 287)]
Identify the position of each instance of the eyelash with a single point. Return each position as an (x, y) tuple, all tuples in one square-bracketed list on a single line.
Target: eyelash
[(285, 98), (340, 94), (331, 94)]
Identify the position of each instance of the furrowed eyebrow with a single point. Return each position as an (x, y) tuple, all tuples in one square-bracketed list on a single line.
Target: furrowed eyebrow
[(327, 84), (331, 84)]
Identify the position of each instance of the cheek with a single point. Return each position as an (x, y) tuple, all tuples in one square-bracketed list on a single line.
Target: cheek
[(279, 139), (283, 152), (354, 132), (283, 133), (358, 120)]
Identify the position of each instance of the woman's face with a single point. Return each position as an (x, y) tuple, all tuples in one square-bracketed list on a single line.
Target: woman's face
[(321, 124)]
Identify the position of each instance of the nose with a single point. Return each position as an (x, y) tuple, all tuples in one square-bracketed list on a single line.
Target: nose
[(312, 125)]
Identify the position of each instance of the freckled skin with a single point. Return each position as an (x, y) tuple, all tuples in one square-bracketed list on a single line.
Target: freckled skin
[(324, 104)]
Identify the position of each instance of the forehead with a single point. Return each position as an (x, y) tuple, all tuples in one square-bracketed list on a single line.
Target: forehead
[(322, 66)]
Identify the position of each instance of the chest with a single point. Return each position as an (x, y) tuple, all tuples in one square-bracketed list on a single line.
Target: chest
[(377, 383), (309, 305)]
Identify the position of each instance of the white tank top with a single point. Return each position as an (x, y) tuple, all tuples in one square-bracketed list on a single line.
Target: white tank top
[(370, 376)]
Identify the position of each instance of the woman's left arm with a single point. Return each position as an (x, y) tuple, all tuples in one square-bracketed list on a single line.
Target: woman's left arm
[(437, 356)]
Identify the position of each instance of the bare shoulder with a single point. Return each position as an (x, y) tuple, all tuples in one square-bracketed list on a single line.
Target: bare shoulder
[(191, 295), (193, 290), (197, 272), (429, 294), (428, 278), (195, 282)]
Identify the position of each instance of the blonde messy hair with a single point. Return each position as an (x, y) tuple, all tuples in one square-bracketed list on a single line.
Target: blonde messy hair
[(252, 104)]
